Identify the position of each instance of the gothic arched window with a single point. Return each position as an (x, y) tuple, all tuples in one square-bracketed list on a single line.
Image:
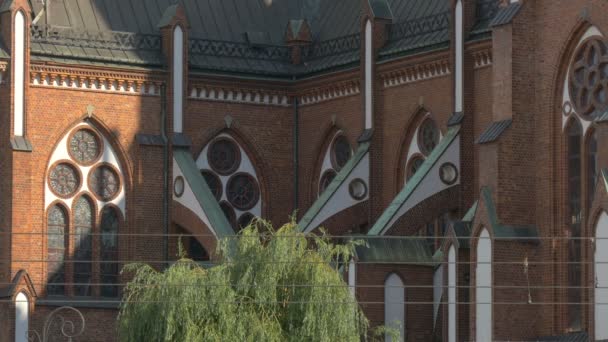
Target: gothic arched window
[(57, 227), (575, 132), (83, 249), (592, 166), (109, 252), (428, 136)]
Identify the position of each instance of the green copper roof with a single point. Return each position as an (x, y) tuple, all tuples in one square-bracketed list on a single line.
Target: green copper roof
[(505, 231), (463, 231), (470, 215), (393, 208), (203, 194), (333, 186), (400, 250)]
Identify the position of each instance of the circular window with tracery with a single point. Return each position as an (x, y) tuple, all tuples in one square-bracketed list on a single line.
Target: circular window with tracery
[(224, 156), (84, 146), (104, 182), (340, 152), (326, 179), (415, 165), (243, 191), (214, 183), (64, 180), (588, 79), (428, 136)]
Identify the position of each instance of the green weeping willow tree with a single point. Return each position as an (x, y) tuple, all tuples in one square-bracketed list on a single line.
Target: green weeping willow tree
[(267, 286)]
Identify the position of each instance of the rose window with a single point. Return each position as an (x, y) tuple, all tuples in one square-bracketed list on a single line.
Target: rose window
[(341, 152), (224, 156), (428, 136), (588, 79), (84, 146), (243, 192), (104, 182), (64, 180)]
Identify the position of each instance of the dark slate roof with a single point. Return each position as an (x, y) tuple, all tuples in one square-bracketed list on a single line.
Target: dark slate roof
[(494, 131), (402, 250), (126, 32), (506, 14), (572, 337)]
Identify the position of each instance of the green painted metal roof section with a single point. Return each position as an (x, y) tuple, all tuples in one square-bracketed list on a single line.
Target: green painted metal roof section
[(505, 231), (381, 9), (3, 53), (203, 194), (605, 177), (414, 182), (340, 178), (402, 250), (463, 231), (470, 215)]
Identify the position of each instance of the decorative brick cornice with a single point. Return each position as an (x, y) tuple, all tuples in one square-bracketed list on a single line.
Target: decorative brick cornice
[(332, 92), (483, 58), (416, 73), (95, 80), (207, 92)]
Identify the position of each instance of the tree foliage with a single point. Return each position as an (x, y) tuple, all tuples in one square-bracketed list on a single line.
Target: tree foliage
[(266, 286)]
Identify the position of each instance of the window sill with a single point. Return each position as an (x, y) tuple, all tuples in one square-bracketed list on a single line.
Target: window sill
[(19, 143)]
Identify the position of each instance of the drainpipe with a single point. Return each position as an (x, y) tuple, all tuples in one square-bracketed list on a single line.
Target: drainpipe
[(296, 139), (163, 132)]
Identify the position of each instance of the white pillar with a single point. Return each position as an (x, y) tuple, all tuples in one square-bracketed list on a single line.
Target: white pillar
[(19, 77), (21, 317), (368, 75), (352, 276), (458, 60), (394, 305), (601, 278), (452, 294), (483, 288), (178, 79)]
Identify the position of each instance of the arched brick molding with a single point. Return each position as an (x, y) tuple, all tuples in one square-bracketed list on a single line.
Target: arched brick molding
[(188, 220)]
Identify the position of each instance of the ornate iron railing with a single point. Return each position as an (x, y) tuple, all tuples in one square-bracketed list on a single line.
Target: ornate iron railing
[(96, 39), (67, 327), (419, 26)]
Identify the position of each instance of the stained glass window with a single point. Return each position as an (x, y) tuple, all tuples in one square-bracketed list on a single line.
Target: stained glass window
[(592, 167), (56, 230), (326, 179), (109, 252), (428, 136), (224, 156), (341, 152), (229, 213), (64, 180), (214, 183), (83, 253), (588, 73), (104, 182), (84, 146), (574, 245), (243, 192)]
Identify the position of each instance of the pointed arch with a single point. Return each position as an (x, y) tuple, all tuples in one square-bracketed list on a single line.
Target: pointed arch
[(483, 287), (601, 277), (405, 152), (394, 305), (324, 160)]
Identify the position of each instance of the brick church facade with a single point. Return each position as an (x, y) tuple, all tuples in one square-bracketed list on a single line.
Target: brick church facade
[(476, 127)]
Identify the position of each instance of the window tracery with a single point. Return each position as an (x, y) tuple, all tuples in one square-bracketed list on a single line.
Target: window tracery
[(88, 160), (229, 174), (588, 78), (428, 136), (338, 152), (425, 139)]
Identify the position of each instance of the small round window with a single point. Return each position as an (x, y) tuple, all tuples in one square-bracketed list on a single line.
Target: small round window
[(448, 173), (84, 146), (428, 136), (178, 186), (414, 166), (357, 189), (242, 191), (340, 152), (64, 180), (224, 156)]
